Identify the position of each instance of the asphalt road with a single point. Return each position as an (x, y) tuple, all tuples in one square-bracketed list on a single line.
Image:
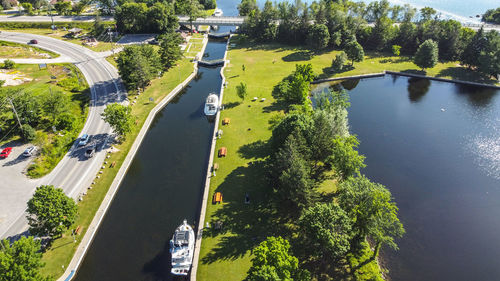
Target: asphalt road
[(74, 173)]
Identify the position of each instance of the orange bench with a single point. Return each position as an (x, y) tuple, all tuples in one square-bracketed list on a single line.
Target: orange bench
[(226, 121), (217, 198), (222, 152), (78, 230)]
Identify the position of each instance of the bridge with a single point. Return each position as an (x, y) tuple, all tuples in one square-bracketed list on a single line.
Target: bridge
[(220, 21)]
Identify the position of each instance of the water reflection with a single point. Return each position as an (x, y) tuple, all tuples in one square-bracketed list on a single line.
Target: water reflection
[(417, 88), (350, 84), (476, 96)]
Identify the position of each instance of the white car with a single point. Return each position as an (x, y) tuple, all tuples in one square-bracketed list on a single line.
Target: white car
[(29, 151), (84, 140)]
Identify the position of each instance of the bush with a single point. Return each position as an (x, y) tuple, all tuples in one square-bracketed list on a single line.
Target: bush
[(71, 83), (396, 50), (8, 64), (28, 133), (339, 61), (66, 121), (2, 82)]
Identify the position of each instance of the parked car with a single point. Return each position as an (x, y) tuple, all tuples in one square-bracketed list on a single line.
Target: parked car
[(33, 41), (90, 151), (5, 152), (30, 151), (84, 140)]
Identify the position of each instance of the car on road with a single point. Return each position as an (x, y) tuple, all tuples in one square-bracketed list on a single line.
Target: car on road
[(90, 151), (33, 41), (29, 151), (84, 140), (5, 152)]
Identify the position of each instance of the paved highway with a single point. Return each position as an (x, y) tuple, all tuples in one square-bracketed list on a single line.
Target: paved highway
[(74, 173)]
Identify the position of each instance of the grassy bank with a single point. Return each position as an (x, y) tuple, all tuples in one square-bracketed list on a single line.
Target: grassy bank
[(59, 34), (63, 249), (226, 254), (10, 50)]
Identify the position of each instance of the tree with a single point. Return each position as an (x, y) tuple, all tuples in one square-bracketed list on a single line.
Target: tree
[(138, 65), (131, 17), (396, 50), (28, 133), (98, 28), (119, 117), (472, 51), (318, 36), (489, 58), (241, 90), (372, 211), (28, 8), (63, 7), (345, 158), (27, 105), (426, 55), (50, 211), (161, 18), (492, 16), (9, 64), (426, 13), (55, 103), (246, 7), (339, 61), (354, 52), (21, 261), (272, 261), (191, 8), (66, 121), (170, 52), (327, 231)]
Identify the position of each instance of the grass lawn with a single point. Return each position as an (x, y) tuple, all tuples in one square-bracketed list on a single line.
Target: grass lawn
[(226, 254), (61, 253), (59, 33), (10, 50)]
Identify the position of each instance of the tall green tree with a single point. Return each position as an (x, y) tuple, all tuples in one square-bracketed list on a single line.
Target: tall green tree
[(21, 260), (63, 7), (327, 231), (345, 158), (489, 58), (318, 36), (170, 51), (54, 103), (161, 18), (372, 210), (119, 117), (426, 55), (246, 7), (273, 261), (354, 52), (472, 52), (241, 90), (50, 211), (138, 65), (131, 17)]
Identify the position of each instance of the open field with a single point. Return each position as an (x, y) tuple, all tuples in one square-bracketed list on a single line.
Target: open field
[(10, 50), (226, 254)]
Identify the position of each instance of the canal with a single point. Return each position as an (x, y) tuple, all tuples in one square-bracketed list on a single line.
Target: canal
[(162, 187), (436, 146)]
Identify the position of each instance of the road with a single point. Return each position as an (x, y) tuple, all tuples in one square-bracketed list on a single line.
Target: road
[(74, 173)]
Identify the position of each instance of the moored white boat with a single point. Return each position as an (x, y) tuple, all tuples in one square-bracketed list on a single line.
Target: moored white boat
[(218, 13), (211, 104), (182, 248)]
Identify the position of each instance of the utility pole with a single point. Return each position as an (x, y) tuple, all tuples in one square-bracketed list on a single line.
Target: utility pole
[(51, 18), (15, 112), (111, 41)]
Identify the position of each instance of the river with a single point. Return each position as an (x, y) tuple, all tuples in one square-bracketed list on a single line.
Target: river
[(436, 146)]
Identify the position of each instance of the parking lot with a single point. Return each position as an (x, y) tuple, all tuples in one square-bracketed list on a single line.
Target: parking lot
[(15, 189)]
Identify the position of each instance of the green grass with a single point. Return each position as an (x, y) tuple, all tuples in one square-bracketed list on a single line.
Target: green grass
[(226, 254), (10, 50), (59, 33), (62, 251)]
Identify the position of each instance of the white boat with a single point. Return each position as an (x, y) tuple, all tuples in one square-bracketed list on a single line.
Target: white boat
[(211, 104), (182, 248), (218, 13)]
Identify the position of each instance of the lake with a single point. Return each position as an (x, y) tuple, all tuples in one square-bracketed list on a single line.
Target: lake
[(436, 146)]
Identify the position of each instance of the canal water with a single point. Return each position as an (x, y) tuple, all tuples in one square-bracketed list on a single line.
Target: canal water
[(162, 187), (436, 146)]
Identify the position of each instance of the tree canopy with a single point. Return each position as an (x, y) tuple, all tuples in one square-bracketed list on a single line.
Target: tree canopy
[(427, 55), (119, 117), (50, 211), (21, 260), (273, 261)]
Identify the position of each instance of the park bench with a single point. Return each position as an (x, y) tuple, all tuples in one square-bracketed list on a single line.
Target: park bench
[(217, 198)]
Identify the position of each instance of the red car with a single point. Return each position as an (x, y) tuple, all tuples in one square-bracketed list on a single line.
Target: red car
[(5, 152)]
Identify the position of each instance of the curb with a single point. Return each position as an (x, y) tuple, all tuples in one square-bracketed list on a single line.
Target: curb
[(201, 220), (108, 198)]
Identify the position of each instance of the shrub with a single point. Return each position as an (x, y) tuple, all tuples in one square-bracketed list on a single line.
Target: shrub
[(396, 50), (28, 133), (339, 61), (8, 64), (66, 121), (2, 82)]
